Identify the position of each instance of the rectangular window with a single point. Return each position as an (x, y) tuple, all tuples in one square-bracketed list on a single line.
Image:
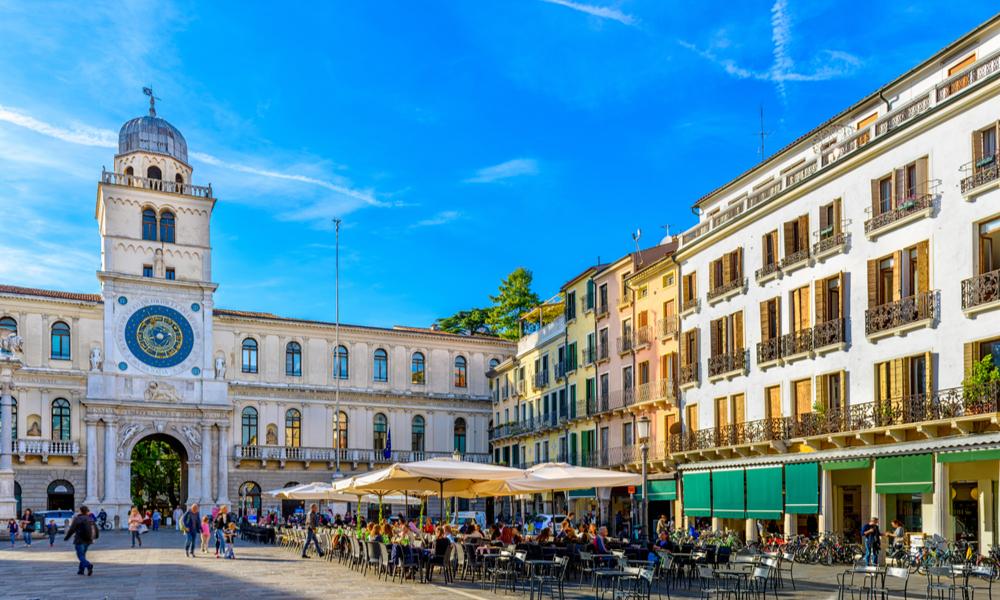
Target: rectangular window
[(803, 397), (570, 305), (800, 309), (721, 412), (885, 195), (691, 415), (989, 246), (602, 298), (773, 396), (170, 273), (627, 438), (644, 372), (147, 270)]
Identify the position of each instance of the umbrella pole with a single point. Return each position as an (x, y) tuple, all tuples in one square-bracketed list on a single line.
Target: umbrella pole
[(441, 499)]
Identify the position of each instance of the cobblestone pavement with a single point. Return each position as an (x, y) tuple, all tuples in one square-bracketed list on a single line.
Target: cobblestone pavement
[(159, 570)]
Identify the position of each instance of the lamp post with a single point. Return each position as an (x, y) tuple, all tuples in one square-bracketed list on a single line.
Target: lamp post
[(644, 447), (336, 351)]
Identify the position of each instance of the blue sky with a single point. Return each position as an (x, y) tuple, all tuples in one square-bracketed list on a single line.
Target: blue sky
[(457, 139)]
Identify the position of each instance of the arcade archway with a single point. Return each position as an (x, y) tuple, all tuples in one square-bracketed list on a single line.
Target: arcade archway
[(159, 473)]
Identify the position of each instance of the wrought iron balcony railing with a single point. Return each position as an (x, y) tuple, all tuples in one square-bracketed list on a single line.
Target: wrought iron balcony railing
[(902, 312), (769, 350), (985, 170), (732, 362), (828, 333), (795, 258), (688, 373), (668, 326), (588, 355), (689, 304), (797, 342), (305, 454), (541, 379), (767, 270), (831, 242), (725, 288), (981, 289), (903, 209), (663, 389)]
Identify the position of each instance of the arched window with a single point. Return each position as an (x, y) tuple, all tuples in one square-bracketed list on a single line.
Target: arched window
[(418, 368), (380, 431), (340, 432), (293, 359), (461, 372), (7, 325), (380, 370), (60, 341), (460, 435), (249, 355), (178, 183), (60, 495), (167, 227), (417, 434), (340, 363), (249, 498), (60, 420), (249, 424), (149, 224), (293, 428), (129, 171), (154, 172)]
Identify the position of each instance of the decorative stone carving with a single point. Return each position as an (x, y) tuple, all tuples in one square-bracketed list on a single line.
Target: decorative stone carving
[(96, 358), (128, 432), (191, 435), (160, 426), (12, 344), (159, 391), (220, 367)]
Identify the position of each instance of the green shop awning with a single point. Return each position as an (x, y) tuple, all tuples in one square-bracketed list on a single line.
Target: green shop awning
[(968, 456), (728, 495), (697, 488), (913, 474), (586, 493), (802, 490), (764, 493), (662, 489), (843, 465)]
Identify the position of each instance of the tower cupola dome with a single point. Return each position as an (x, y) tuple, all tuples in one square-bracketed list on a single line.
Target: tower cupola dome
[(152, 134)]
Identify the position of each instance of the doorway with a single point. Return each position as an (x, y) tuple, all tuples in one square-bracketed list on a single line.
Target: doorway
[(965, 509), (159, 473), (60, 495)]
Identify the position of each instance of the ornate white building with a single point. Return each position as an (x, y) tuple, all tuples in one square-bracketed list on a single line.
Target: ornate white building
[(246, 399)]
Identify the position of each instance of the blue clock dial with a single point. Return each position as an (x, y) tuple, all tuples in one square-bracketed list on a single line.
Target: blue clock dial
[(159, 336)]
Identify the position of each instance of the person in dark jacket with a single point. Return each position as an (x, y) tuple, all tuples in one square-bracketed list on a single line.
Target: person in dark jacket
[(84, 533), (192, 527), (312, 523)]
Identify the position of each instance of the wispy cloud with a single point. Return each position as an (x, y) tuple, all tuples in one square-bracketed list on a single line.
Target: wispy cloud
[(81, 134), (442, 218), (598, 11), (505, 170), (827, 64)]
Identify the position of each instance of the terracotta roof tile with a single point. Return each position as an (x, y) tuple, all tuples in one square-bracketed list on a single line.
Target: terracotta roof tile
[(26, 291)]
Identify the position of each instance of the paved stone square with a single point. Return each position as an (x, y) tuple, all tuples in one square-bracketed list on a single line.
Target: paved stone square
[(160, 571)]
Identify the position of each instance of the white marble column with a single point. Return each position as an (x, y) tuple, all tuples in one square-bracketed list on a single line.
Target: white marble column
[(826, 519), (940, 499), (206, 464), (223, 464), (91, 498), (110, 463), (8, 504)]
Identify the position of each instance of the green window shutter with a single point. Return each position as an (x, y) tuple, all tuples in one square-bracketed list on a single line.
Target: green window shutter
[(764, 493), (968, 456), (697, 490), (659, 490), (728, 495), (572, 449), (843, 465), (572, 401), (913, 474), (802, 496), (585, 448)]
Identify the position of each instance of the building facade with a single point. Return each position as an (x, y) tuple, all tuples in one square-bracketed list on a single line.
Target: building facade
[(247, 400)]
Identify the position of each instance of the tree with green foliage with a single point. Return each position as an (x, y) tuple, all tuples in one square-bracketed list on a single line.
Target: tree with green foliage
[(984, 379), (466, 322), (512, 300), (156, 475)]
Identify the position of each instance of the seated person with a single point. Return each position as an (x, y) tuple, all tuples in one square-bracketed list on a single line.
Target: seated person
[(545, 536), (663, 542), (600, 541)]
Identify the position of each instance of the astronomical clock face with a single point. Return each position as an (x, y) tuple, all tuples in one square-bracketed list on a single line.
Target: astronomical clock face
[(158, 336)]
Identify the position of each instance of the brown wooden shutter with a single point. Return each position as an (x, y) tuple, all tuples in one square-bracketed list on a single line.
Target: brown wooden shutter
[(923, 268), (977, 147), (873, 283), (694, 285), (896, 377), (697, 347), (738, 331), (727, 274), (824, 219), (774, 402), (969, 356), (789, 248), (777, 315), (739, 264), (842, 295), (821, 301), (897, 275), (821, 391), (898, 186), (928, 373), (803, 232), (875, 197), (764, 328), (805, 307), (836, 216), (763, 248), (684, 348), (843, 391), (739, 409), (923, 185)]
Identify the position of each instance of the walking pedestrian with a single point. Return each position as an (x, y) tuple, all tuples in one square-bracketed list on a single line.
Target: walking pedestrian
[(191, 521), (27, 526), (178, 513), (52, 529), (872, 537), (84, 532), (12, 528), (134, 521), (206, 531), (222, 520), (312, 523), (157, 517)]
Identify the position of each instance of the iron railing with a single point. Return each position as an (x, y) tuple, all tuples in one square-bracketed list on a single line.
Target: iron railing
[(834, 240), (901, 312), (985, 170), (769, 350), (828, 333), (981, 289), (767, 270), (689, 304), (688, 373), (668, 326), (797, 342), (353, 455), (796, 257), (727, 287), (904, 208), (730, 362), (663, 389)]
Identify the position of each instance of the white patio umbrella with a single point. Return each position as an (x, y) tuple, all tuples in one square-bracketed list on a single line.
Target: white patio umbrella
[(556, 477)]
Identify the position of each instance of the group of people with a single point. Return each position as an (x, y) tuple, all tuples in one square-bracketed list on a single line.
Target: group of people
[(27, 526), (218, 525)]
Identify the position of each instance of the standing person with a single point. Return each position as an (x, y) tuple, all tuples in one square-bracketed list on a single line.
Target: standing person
[(27, 526), (898, 536), (312, 523), (206, 532), (12, 528), (178, 513), (52, 529), (191, 522), (157, 517), (872, 536), (134, 521), (84, 532), (662, 525), (221, 522)]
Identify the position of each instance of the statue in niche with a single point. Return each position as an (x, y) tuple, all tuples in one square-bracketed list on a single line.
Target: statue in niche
[(96, 358), (220, 367), (35, 430), (272, 435)]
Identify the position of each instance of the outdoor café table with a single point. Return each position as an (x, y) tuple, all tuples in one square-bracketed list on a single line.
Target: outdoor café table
[(490, 561), (538, 566), (611, 577), (740, 576)]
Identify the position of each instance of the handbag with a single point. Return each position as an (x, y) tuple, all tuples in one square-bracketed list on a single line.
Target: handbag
[(143, 529)]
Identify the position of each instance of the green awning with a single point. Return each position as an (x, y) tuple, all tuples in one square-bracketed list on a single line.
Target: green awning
[(968, 456), (802, 490), (913, 474), (585, 493), (843, 465), (728, 495), (764, 493), (697, 488), (661, 489)]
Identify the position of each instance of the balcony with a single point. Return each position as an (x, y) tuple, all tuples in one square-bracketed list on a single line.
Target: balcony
[(769, 352), (663, 390), (602, 351), (634, 339), (767, 272), (587, 302), (981, 69), (689, 305), (727, 365), (985, 175), (625, 300), (688, 375), (668, 326), (156, 185), (981, 292), (307, 455), (588, 356), (762, 431), (902, 115), (907, 210), (830, 243), (612, 401), (541, 379), (726, 290), (906, 314), (626, 343), (801, 173), (26, 447), (763, 195), (571, 363), (602, 308), (795, 260), (797, 344), (828, 336), (560, 369), (517, 389)]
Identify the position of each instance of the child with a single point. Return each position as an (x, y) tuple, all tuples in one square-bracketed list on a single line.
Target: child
[(52, 530), (205, 533), (12, 527), (230, 535)]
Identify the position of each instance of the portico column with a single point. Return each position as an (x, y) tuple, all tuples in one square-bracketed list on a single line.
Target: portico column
[(8, 504), (206, 463), (941, 497), (90, 498), (826, 517), (110, 462), (223, 455)]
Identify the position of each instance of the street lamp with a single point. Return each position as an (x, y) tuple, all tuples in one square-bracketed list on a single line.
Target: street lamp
[(644, 441), (336, 352)]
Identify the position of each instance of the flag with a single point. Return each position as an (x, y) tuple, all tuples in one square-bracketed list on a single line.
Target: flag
[(387, 451)]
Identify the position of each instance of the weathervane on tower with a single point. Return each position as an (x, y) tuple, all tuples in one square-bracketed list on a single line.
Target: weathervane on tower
[(152, 100)]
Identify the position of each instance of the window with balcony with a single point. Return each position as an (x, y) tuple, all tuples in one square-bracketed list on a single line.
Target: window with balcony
[(983, 290), (602, 344), (725, 274), (983, 170), (829, 328), (571, 357), (831, 237), (897, 196), (799, 340), (899, 292), (293, 428), (689, 357), (248, 426), (689, 292), (602, 299), (802, 400), (769, 256), (830, 393), (380, 431), (459, 431), (61, 420), (643, 372), (691, 416), (901, 389), (626, 341), (769, 347), (727, 353), (772, 398), (796, 233), (721, 414)]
